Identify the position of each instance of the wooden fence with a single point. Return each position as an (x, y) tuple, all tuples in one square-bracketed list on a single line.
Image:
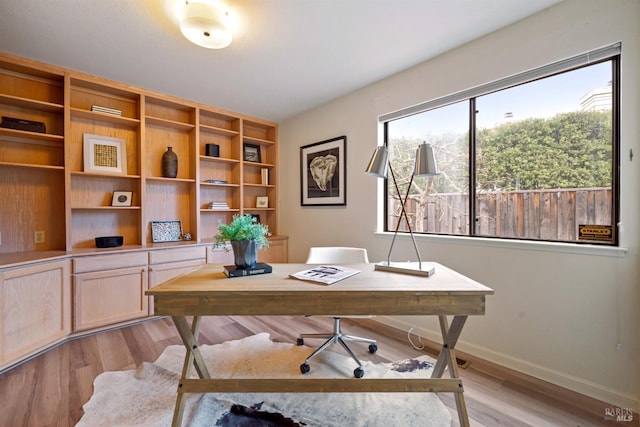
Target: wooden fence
[(531, 214)]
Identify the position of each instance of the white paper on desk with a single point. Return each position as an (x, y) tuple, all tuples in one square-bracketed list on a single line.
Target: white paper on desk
[(327, 274)]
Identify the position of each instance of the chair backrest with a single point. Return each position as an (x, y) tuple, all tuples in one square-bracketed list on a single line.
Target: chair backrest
[(337, 255)]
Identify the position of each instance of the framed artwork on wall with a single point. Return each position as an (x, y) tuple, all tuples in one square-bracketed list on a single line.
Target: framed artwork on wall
[(323, 178)]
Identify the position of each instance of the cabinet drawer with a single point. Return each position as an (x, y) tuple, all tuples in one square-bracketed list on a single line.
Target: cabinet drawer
[(86, 264), (177, 254)]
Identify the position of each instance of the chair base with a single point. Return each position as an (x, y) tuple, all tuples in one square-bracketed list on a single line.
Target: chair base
[(336, 337)]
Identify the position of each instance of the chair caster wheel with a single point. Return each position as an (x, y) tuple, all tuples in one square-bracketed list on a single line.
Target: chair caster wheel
[(304, 368), (300, 341), (358, 373), (373, 348)]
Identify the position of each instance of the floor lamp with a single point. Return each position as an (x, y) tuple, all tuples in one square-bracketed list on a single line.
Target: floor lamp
[(425, 165)]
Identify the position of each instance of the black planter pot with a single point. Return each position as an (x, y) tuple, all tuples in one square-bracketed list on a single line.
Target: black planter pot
[(245, 253)]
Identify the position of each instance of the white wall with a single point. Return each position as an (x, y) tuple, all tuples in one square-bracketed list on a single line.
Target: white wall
[(564, 314)]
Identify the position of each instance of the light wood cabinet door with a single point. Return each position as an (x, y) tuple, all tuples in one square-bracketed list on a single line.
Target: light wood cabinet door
[(35, 305), (220, 255), (161, 273), (277, 252), (106, 297)]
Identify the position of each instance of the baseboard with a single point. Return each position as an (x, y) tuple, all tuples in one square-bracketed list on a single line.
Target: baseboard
[(572, 391)]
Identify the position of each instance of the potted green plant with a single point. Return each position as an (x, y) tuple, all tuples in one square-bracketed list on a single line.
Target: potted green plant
[(246, 236)]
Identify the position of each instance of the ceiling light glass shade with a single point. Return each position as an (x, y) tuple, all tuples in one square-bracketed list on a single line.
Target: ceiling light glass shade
[(425, 164), (204, 25), (379, 164)]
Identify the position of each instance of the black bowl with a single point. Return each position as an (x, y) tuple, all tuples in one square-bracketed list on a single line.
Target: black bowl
[(109, 241)]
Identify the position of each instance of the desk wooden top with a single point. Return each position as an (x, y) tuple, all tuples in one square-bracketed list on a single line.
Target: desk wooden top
[(207, 291)]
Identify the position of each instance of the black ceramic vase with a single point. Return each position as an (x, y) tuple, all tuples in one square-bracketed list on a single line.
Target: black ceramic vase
[(245, 253), (169, 163)]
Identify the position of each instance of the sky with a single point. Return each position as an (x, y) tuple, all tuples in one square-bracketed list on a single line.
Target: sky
[(540, 99)]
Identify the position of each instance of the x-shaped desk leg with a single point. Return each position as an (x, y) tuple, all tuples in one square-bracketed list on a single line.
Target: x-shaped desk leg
[(447, 359), (193, 357)]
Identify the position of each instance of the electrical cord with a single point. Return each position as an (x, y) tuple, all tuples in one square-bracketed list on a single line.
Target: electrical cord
[(421, 347)]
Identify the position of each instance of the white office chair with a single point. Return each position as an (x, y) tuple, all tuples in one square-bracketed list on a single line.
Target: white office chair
[(337, 255)]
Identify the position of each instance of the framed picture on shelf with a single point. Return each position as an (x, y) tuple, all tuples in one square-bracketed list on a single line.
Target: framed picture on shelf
[(166, 231), (104, 154), (262, 202), (251, 153), (121, 198), (323, 178)]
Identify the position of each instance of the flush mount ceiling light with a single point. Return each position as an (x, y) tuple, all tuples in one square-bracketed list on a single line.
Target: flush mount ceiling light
[(205, 24)]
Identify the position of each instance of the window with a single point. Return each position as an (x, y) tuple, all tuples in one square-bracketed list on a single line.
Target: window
[(531, 157)]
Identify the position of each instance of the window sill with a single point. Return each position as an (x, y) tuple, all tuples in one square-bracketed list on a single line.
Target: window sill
[(527, 245)]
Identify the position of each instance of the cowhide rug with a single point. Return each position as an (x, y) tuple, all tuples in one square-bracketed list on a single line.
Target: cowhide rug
[(146, 396)]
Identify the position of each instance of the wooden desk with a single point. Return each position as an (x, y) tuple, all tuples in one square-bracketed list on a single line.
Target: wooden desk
[(207, 292)]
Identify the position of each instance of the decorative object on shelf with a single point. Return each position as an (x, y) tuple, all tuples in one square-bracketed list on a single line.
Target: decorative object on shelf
[(109, 241), (262, 202), (425, 165), (217, 181), (212, 150), (169, 163), (121, 198), (323, 178), (104, 154), (246, 235), (251, 153), (106, 110), (166, 231), (21, 124), (186, 236), (219, 206), (206, 24), (264, 176)]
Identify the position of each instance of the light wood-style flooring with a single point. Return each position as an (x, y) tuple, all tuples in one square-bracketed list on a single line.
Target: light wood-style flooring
[(50, 389)]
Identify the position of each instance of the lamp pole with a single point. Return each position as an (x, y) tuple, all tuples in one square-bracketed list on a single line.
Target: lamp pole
[(403, 212)]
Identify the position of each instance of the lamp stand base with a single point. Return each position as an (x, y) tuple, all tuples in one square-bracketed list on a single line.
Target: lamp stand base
[(413, 268)]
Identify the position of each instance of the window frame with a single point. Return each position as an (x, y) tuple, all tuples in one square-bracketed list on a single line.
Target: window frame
[(608, 53)]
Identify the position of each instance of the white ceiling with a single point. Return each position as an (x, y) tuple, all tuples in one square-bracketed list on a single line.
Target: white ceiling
[(287, 55)]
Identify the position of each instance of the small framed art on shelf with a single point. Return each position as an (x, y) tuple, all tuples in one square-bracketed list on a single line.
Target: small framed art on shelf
[(262, 202), (104, 154), (121, 198), (251, 153), (166, 231)]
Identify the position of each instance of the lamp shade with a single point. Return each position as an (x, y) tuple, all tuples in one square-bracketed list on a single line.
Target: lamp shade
[(379, 164), (204, 24), (425, 164)]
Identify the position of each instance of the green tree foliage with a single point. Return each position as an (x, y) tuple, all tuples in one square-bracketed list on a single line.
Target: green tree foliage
[(569, 150), (452, 156)]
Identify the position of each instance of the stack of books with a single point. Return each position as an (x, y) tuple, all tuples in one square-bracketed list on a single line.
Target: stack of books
[(219, 206), (100, 109), (259, 268)]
